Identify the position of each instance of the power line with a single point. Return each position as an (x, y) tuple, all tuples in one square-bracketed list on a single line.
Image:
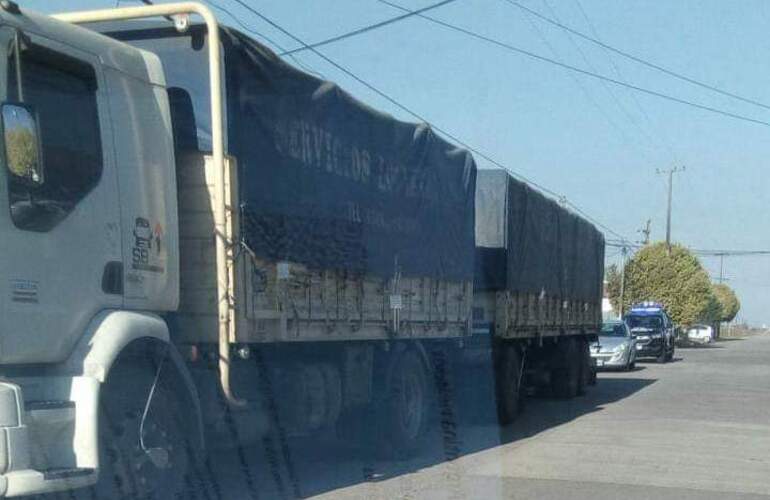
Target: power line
[(597, 223), (418, 116), (367, 28), (618, 243), (262, 36), (661, 138), (395, 102), (729, 253), (589, 97), (629, 117), (579, 70), (612, 255), (638, 59)]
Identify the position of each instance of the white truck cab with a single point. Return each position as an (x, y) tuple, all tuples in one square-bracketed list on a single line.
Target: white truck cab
[(88, 223)]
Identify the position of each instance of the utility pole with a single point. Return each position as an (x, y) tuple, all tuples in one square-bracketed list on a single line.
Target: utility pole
[(721, 267), (670, 172), (646, 233), (622, 279)]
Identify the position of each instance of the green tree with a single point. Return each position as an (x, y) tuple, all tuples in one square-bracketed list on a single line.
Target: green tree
[(730, 305), (612, 276), (675, 279)]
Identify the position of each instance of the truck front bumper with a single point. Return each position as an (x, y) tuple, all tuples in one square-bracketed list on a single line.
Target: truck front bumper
[(14, 437)]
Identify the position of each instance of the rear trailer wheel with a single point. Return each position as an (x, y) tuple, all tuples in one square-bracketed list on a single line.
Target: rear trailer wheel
[(565, 373), (508, 384), (406, 405), (155, 466), (586, 370)]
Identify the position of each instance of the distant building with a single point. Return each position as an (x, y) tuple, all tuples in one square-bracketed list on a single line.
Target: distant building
[(607, 311)]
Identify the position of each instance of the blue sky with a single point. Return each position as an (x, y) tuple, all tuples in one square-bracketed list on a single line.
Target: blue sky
[(597, 144)]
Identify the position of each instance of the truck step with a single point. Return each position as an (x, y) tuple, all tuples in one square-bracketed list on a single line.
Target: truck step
[(48, 405), (66, 472), (51, 424), (32, 482)]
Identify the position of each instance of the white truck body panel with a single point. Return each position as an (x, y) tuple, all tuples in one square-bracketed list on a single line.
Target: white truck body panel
[(52, 281), (144, 152)]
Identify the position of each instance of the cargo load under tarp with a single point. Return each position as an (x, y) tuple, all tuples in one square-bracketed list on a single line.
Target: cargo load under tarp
[(346, 223), (324, 180), (528, 243)]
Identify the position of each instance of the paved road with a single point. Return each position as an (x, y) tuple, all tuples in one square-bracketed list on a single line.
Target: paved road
[(697, 428)]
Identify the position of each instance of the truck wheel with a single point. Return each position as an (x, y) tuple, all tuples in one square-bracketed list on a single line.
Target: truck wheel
[(507, 384), (663, 355), (586, 372), (406, 405), (126, 469), (565, 375)]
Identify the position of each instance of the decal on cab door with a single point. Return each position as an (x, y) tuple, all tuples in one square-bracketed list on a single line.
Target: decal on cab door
[(148, 252)]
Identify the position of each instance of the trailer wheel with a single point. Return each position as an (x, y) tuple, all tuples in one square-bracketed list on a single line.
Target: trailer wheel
[(126, 469), (508, 384), (586, 371), (565, 373), (406, 405)]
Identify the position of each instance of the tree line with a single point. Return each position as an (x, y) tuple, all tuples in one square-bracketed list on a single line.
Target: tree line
[(677, 280)]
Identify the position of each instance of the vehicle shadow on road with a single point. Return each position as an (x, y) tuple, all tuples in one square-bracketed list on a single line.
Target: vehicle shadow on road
[(466, 424)]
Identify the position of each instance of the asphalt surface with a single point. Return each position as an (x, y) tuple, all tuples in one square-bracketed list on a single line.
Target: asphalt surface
[(696, 428)]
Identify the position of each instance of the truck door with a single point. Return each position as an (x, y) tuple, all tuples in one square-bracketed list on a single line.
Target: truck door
[(60, 258)]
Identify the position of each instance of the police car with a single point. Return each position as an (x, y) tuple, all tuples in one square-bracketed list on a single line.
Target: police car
[(653, 329)]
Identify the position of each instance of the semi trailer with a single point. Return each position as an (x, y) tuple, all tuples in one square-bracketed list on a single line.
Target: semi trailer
[(204, 246)]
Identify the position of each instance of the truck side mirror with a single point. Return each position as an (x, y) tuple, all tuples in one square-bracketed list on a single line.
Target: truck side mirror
[(22, 145)]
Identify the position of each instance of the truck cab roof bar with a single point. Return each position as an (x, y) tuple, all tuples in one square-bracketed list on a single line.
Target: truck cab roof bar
[(217, 136)]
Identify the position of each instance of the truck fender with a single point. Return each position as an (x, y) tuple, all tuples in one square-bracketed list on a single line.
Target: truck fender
[(111, 332)]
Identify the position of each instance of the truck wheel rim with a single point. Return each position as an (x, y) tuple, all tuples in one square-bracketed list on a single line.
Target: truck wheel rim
[(411, 402), (133, 471)]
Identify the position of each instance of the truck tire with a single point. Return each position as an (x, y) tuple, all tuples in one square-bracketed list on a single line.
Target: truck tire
[(565, 371), (586, 371), (663, 355), (405, 408), (507, 384), (126, 470)]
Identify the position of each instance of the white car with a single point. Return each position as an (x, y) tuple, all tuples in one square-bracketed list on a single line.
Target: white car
[(703, 334)]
